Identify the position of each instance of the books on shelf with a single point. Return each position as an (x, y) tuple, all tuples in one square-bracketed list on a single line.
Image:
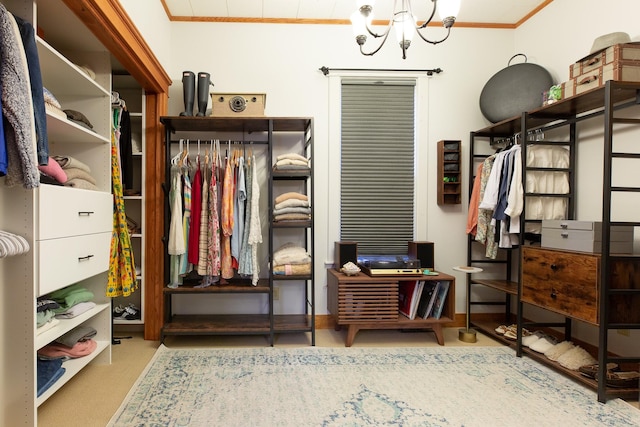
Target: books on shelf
[(439, 302), (428, 297), (409, 292)]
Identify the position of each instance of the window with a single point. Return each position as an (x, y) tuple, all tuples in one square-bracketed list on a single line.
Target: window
[(377, 165)]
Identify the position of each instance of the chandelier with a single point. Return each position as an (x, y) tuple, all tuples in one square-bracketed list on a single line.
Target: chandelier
[(404, 22)]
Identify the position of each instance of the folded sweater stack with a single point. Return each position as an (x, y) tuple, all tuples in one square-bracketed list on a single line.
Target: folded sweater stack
[(78, 174), (291, 260), (292, 206), (291, 161)]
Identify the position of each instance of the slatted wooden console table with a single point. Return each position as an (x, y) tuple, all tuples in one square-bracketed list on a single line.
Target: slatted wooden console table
[(365, 302)]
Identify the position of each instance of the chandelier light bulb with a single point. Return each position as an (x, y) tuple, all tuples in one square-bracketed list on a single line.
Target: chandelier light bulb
[(358, 24), (405, 26), (448, 9)]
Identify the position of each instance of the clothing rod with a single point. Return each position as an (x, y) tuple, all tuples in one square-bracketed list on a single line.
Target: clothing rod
[(430, 72), (176, 141)]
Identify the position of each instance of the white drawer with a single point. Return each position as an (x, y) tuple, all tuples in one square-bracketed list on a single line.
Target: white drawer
[(65, 261), (618, 232), (72, 212), (585, 236)]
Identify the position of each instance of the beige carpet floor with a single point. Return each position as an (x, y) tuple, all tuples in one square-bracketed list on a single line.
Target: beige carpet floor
[(94, 395)]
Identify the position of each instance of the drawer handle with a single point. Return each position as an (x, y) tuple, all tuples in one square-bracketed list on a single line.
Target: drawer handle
[(85, 258), (554, 267), (588, 80), (593, 61), (85, 213), (553, 295), (564, 235)]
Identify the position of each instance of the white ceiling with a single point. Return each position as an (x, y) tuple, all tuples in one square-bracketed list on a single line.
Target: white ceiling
[(500, 12)]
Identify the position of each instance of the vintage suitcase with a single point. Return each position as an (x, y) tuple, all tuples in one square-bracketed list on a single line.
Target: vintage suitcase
[(628, 71), (585, 236), (238, 104), (618, 52)]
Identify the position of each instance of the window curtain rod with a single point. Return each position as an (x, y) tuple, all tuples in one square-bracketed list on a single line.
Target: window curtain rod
[(430, 72)]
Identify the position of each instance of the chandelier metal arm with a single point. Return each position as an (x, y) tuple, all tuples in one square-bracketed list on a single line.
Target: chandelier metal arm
[(385, 34), (373, 52), (433, 13), (437, 41)]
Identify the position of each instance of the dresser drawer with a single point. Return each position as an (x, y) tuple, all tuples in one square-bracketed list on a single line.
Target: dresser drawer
[(72, 212), (65, 261), (563, 282)]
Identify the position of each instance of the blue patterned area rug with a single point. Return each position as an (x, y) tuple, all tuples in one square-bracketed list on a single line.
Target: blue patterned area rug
[(314, 386)]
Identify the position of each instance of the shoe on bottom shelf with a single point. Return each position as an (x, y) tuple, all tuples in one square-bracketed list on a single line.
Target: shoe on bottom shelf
[(529, 340), (558, 350), (118, 311), (591, 371), (623, 379), (130, 312), (543, 344), (575, 358)]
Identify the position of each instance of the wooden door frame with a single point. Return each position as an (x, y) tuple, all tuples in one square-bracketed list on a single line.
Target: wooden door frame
[(110, 23)]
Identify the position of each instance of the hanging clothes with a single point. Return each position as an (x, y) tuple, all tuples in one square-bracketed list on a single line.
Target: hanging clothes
[(17, 107), (213, 234), (37, 90), (126, 149), (226, 216), (255, 232), (121, 279), (245, 264), (238, 211), (196, 206), (176, 244), (204, 221), (186, 217), (474, 202), (484, 232)]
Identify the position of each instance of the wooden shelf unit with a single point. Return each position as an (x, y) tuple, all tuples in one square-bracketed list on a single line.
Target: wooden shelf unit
[(264, 131), (449, 173), (603, 102)]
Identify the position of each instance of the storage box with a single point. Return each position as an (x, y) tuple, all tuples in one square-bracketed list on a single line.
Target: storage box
[(585, 236), (618, 52), (238, 104), (628, 71)]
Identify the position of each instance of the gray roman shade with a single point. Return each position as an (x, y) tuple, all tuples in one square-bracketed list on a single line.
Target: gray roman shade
[(377, 165)]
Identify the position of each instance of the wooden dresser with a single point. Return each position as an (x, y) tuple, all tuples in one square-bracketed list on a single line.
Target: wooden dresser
[(568, 283), (365, 302)]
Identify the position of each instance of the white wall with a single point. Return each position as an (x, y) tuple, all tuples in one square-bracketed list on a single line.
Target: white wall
[(283, 60), (154, 25)]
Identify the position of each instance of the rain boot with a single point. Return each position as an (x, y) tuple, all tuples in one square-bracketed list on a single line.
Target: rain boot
[(189, 90), (204, 79)]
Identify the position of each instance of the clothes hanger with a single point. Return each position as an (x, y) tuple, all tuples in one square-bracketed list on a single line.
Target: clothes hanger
[(176, 158)]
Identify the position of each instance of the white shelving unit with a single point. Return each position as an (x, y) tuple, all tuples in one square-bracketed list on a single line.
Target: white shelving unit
[(68, 229)]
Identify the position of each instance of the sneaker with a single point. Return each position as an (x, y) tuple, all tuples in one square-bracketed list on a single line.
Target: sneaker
[(131, 312), (118, 310)]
